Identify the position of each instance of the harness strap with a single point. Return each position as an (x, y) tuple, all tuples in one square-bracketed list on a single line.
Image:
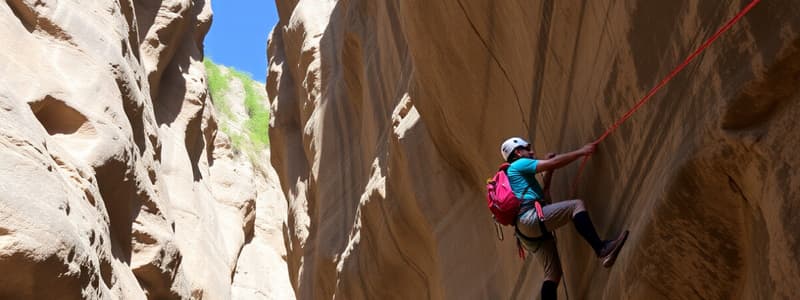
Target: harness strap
[(537, 240), (546, 236), (540, 215)]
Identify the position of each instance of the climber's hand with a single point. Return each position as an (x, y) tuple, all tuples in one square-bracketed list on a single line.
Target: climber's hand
[(589, 149)]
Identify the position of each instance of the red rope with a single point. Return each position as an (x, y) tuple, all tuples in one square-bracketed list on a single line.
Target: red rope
[(661, 84)]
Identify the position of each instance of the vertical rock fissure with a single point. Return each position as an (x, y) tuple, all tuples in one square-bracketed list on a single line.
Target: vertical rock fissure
[(494, 58)]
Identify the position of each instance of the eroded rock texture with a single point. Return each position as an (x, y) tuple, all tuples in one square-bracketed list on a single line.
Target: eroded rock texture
[(114, 181), (388, 117)]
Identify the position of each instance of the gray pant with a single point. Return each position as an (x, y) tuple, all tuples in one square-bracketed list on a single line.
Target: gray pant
[(555, 215)]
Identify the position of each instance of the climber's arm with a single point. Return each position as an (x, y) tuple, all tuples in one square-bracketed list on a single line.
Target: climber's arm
[(548, 177), (561, 160)]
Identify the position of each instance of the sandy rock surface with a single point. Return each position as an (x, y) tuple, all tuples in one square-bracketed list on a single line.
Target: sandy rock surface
[(114, 180), (388, 115)]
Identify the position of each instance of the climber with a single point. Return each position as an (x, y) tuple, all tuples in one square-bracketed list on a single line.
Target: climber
[(534, 231)]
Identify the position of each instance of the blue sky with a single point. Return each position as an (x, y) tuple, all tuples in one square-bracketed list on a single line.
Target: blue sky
[(239, 32)]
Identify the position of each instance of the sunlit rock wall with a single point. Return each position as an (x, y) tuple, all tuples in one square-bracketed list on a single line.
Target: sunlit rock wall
[(114, 181)]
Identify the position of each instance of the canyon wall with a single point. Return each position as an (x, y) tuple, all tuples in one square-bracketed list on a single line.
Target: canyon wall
[(388, 115)]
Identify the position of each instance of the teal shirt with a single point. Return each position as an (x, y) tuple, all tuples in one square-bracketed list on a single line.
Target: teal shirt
[(522, 174)]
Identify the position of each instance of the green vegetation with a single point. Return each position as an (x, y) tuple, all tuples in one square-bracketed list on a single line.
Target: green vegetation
[(259, 115), (254, 136), (218, 85)]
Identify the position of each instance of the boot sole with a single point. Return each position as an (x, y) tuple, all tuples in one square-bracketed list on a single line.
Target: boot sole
[(613, 256)]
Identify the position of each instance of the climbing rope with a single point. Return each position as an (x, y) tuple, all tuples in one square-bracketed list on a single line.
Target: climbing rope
[(661, 84)]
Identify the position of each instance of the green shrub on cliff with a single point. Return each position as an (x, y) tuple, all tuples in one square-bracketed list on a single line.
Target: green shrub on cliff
[(259, 115), (253, 135), (218, 86)]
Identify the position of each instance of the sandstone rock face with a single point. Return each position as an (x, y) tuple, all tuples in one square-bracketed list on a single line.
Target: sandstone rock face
[(388, 115), (261, 271), (114, 181)]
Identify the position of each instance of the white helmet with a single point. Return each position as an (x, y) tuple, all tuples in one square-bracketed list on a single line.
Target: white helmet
[(510, 144)]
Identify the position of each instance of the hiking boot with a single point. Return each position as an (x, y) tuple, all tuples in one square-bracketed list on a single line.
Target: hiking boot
[(611, 248)]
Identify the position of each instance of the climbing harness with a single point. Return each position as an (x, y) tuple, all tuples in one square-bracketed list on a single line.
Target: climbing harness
[(661, 84), (532, 242)]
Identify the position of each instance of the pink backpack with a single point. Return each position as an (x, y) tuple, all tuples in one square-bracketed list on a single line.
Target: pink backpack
[(502, 202), (505, 207)]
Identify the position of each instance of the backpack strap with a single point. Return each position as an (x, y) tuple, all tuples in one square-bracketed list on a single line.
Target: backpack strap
[(498, 231)]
